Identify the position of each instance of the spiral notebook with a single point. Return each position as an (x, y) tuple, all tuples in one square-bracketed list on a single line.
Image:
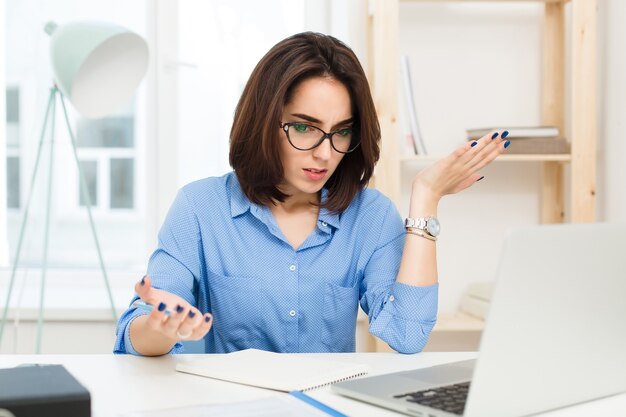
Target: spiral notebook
[(277, 371)]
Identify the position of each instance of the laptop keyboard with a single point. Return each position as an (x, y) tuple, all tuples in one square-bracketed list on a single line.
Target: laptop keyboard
[(450, 398)]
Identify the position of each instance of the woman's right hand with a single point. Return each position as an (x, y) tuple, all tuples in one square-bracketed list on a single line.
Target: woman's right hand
[(184, 321)]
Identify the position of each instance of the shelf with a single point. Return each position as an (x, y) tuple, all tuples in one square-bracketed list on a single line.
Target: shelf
[(455, 322), (501, 158)]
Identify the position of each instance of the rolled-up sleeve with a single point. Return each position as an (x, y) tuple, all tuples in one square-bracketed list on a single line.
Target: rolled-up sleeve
[(402, 315), (173, 267)]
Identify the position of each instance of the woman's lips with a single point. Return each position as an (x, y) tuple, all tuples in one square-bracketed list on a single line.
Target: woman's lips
[(315, 174)]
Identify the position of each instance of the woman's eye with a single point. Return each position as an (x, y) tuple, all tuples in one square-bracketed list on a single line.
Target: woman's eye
[(345, 132), (300, 127)]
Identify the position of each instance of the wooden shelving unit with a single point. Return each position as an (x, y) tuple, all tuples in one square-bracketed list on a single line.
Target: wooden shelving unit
[(383, 34), (383, 53)]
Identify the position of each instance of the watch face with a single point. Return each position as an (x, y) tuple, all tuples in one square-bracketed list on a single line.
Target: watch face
[(432, 226)]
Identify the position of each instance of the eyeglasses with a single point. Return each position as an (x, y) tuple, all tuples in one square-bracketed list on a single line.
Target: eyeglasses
[(305, 137)]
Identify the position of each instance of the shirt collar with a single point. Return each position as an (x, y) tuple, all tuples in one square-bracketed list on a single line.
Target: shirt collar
[(240, 204), (333, 219)]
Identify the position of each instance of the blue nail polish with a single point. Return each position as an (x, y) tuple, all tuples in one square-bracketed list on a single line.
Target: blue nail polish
[(179, 308), (495, 135), (474, 144), (162, 306), (143, 280), (207, 318), (506, 144), (505, 134), (480, 178), (191, 314)]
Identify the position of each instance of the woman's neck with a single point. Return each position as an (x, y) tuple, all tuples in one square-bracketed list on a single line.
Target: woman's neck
[(299, 203)]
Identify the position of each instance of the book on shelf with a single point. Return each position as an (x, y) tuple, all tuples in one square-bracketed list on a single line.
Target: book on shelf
[(520, 132), (548, 145), (415, 135)]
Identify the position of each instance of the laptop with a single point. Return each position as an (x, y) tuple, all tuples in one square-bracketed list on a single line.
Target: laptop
[(555, 334)]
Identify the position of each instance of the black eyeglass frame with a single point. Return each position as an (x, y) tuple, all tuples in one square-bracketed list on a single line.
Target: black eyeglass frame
[(285, 127)]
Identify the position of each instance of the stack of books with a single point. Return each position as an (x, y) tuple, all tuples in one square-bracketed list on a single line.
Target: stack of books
[(475, 300), (528, 140)]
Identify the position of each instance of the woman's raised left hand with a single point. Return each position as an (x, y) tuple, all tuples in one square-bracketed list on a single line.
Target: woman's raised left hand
[(460, 169)]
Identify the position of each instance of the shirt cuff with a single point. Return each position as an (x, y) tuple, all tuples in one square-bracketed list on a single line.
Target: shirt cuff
[(127, 343), (413, 303)]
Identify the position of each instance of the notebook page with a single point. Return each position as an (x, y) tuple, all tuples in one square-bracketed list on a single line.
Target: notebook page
[(278, 371)]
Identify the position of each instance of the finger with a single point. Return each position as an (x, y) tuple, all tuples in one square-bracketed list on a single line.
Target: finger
[(143, 288), (187, 324), (205, 325), (159, 316), (488, 152), (482, 146), (175, 319), (487, 159)]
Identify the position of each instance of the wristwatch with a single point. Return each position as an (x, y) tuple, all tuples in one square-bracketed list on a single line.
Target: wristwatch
[(429, 225)]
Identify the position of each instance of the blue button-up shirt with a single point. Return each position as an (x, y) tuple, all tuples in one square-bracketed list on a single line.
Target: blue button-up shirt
[(227, 256)]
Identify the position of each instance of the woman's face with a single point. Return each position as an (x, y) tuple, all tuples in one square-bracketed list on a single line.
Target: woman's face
[(323, 103)]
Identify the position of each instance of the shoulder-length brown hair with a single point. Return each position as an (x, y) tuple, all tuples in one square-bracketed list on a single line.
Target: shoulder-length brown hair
[(254, 147)]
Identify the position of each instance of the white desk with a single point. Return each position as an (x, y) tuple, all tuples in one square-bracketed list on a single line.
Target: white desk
[(125, 383)]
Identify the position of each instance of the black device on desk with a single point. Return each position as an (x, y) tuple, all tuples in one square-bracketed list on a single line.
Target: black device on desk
[(42, 390)]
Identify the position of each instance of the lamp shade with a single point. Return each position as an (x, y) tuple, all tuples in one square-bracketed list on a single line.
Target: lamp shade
[(97, 65)]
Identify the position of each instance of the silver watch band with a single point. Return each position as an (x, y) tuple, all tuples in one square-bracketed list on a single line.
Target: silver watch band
[(416, 223), (429, 225)]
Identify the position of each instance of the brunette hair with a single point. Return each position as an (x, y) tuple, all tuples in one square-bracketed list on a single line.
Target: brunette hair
[(254, 148)]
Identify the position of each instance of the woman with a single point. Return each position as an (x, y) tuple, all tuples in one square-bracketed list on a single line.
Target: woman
[(282, 251)]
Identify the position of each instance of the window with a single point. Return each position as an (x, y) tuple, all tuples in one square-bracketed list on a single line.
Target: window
[(112, 141), (111, 150)]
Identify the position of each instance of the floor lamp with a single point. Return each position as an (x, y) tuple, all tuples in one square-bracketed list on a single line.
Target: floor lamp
[(97, 66)]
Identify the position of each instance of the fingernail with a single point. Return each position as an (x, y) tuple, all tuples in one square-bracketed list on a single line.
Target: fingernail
[(506, 144), (474, 144), (143, 280), (495, 135), (191, 314), (207, 318), (480, 178), (179, 308), (162, 306), (505, 134)]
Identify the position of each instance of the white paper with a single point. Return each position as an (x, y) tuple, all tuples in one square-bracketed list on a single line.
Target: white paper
[(284, 406)]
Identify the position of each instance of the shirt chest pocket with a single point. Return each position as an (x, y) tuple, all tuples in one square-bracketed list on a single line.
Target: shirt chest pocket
[(339, 317)]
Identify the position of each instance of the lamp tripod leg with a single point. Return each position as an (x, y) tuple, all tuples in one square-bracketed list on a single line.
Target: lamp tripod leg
[(85, 192), (20, 239), (44, 262)]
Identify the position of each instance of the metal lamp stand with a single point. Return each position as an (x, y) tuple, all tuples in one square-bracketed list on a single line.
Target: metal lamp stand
[(50, 111)]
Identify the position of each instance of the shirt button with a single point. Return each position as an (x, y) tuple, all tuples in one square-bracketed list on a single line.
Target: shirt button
[(292, 313), (324, 224), (292, 268), (391, 298)]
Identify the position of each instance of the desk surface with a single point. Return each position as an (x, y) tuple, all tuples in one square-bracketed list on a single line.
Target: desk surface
[(126, 383)]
